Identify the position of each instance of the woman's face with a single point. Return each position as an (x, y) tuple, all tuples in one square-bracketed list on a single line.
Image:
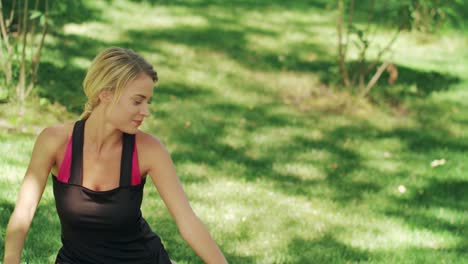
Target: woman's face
[(132, 108)]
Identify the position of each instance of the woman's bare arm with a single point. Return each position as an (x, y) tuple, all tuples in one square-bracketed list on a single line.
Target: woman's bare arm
[(193, 231), (30, 193)]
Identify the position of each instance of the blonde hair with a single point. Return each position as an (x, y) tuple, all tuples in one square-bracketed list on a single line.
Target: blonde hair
[(112, 69)]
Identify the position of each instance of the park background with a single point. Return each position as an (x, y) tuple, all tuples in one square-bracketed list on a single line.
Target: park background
[(286, 149)]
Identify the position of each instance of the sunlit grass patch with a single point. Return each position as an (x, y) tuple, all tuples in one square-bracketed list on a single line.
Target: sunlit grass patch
[(96, 30), (300, 170), (412, 48), (386, 234), (252, 214)]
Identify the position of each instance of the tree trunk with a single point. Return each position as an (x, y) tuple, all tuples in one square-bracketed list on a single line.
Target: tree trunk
[(341, 46), (20, 90)]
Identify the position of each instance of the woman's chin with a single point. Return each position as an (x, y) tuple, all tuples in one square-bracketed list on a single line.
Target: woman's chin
[(129, 130)]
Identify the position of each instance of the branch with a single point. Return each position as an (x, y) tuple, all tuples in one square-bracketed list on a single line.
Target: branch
[(367, 39), (32, 31), (20, 25), (370, 17), (341, 55), (12, 13), (382, 51), (1, 45), (20, 88), (360, 65), (375, 78), (37, 57), (3, 28), (350, 22), (6, 62)]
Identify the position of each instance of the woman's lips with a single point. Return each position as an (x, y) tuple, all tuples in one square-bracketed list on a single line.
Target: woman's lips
[(137, 122)]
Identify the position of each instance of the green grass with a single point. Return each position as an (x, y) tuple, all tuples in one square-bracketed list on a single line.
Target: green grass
[(281, 167)]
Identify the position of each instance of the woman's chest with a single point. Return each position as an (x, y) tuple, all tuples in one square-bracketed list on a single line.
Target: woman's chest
[(101, 173), (83, 209)]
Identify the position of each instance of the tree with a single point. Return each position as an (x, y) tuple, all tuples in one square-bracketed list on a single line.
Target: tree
[(20, 47), (420, 15)]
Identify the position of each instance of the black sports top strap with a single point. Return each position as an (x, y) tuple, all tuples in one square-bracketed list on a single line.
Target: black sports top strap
[(77, 153), (126, 161), (76, 173)]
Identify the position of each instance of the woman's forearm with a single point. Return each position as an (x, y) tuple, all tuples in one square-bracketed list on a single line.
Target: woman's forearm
[(198, 238), (16, 232)]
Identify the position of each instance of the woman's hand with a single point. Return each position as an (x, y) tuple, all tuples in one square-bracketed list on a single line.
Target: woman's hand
[(162, 172)]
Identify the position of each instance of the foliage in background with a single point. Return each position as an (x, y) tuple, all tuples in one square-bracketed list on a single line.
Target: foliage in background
[(431, 15), (24, 27), (360, 29)]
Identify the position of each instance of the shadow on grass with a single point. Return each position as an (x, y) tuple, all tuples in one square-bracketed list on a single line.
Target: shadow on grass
[(230, 42), (74, 12), (61, 81), (423, 141), (174, 90), (329, 250), (440, 204), (427, 136), (203, 144), (342, 163), (425, 82), (325, 250), (439, 207), (234, 43), (63, 85)]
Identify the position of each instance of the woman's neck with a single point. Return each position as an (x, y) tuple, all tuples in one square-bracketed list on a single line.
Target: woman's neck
[(100, 135)]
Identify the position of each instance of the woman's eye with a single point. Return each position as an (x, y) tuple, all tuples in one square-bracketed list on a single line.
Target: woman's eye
[(136, 102)]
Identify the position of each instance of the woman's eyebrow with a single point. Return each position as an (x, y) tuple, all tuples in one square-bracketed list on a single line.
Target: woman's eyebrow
[(143, 96)]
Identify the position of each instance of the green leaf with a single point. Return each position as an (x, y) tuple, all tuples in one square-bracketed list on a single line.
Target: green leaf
[(360, 33), (35, 14), (43, 101), (42, 21), (413, 89), (358, 44), (50, 22), (352, 28)]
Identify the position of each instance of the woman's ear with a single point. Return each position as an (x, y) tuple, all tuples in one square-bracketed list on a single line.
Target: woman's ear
[(106, 96)]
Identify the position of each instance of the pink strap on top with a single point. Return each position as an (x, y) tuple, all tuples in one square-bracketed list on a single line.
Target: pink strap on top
[(136, 179), (64, 172)]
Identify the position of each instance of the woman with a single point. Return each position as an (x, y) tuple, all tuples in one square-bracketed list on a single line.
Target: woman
[(99, 166)]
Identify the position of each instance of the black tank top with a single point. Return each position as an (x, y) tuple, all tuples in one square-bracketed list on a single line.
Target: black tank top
[(104, 226)]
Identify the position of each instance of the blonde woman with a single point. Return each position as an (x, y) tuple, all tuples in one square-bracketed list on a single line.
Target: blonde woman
[(99, 166)]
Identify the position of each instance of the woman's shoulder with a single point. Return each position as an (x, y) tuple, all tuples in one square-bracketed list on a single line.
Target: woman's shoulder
[(147, 141), (59, 130), (50, 140), (150, 150), (57, 134)]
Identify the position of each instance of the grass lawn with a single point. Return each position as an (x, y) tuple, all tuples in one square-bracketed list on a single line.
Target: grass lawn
[(281, 167)]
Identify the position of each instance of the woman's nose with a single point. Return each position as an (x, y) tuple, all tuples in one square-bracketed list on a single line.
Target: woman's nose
[(145, 110)]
